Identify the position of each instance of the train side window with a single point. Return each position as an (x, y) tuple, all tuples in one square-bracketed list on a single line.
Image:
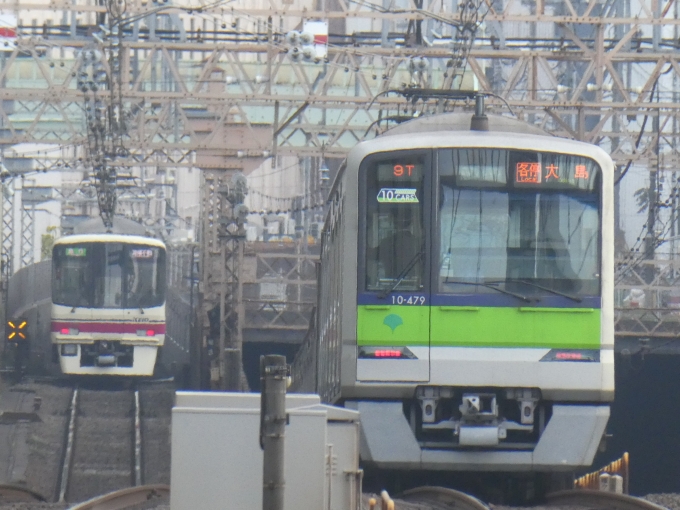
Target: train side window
[(395, 235)]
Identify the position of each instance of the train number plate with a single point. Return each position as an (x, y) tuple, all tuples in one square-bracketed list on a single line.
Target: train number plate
[(401, 299)]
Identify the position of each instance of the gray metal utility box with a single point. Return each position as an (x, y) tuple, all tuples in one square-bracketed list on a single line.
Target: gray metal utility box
[(217, 460)]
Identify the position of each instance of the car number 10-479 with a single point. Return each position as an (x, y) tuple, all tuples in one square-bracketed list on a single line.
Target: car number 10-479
[(408, 300)]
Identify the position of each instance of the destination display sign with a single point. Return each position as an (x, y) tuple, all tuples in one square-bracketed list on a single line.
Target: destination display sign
[(398, 171), (498, 168), (74, 251), (553, 171)]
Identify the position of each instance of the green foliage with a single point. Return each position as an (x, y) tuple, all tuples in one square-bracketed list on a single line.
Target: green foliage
[(47, 242)]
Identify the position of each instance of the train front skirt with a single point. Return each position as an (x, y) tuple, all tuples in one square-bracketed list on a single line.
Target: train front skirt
[(569, 441)]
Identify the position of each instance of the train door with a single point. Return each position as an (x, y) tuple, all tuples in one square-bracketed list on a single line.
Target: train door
[(393, 320)]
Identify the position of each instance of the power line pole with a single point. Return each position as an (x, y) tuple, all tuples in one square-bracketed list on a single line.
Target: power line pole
[(274, 377)]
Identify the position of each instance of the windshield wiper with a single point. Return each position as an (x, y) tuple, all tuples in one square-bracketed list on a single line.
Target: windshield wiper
[(402, 275), (490, 286), (547, 289)]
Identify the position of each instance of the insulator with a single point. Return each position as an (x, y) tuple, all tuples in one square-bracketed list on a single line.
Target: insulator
[(306, 38), (293, 37)]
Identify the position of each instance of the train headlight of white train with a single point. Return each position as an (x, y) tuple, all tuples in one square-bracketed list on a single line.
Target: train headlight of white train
[(146, 332), (69, 331)]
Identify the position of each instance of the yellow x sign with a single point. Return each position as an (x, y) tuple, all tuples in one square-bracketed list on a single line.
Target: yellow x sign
[(16, 330)]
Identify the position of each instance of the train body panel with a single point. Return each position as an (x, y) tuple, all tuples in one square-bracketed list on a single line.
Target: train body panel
[(490, 318), (108, 303), (493, 367)]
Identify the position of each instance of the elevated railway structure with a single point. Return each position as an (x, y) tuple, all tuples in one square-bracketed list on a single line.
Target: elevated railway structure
[(226, 88)]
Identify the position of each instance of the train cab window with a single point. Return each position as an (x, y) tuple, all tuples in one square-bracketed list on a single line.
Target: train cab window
[(71, 275), (395, 235), (144, 276)]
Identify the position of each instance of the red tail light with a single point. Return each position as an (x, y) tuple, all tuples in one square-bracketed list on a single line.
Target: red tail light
[(572, 355), (386, 353)]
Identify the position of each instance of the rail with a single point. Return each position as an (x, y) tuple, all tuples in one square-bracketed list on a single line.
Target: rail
[(125, 498), (10, 492), (450, 497), (600, 500), (68, 450), (138, 442)]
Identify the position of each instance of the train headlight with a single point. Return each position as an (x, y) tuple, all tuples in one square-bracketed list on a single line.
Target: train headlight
[(69, 331), (146, 332), (69, 350)]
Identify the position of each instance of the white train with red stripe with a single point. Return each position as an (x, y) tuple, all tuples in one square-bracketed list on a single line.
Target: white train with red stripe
[(108, 303)]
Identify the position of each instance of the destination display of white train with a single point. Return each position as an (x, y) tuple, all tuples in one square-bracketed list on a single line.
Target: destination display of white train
[(473, 324)]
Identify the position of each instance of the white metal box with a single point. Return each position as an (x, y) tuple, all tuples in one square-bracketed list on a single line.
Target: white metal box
[(217, 460)]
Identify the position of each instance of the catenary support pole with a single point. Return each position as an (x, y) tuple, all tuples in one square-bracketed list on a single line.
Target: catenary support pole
[(274, 376)]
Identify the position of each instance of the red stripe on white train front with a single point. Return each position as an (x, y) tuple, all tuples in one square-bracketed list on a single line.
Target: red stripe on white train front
[(109, 327)]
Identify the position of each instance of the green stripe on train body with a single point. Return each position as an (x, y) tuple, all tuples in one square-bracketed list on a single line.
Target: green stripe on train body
[(471, 326)]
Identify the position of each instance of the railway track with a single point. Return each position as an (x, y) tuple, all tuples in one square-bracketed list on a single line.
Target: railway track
[(440, 497), (103, 451), (599, 500)]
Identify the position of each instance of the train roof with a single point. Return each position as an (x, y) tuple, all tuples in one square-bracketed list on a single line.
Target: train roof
[(120, 225), (109, 238), (461, 122)]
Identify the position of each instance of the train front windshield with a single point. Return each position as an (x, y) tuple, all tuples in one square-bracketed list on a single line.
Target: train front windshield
[(108, 275), (520, 221), (510, 217)]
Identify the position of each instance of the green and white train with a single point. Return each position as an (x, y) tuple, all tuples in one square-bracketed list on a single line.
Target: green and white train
[(466, 296)]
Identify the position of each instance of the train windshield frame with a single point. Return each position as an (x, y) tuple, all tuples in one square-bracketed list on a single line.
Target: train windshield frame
[(108, 275), (523, 221)]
